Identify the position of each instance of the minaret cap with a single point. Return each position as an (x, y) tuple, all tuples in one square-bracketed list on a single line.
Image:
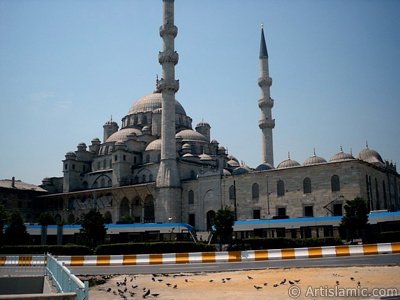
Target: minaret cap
[(263, 45)]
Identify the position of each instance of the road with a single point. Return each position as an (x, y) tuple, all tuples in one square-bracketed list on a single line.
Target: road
[(370, 260)]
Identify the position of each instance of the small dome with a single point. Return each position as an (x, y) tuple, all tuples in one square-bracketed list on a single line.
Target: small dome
[(341, 156), (203, 124), (188, 155), (314, 160), (154, 145), (233, 163), (205, 157), (264, 167), (70, 155), (146, 129), (191, 135), (370, 156), (240, 170), (152, 102), (214, 142), (288, 163), (123, 134), (96, 141)]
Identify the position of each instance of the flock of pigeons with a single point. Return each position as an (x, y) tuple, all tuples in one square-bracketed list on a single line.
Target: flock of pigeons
[(127, 288)]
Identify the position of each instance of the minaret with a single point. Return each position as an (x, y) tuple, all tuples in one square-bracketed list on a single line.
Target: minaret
[(266, 103), (168, 198)]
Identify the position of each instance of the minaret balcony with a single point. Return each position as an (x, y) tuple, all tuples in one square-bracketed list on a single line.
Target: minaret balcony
[(171, 85), (266, 123), (168, 29), (264, 81), (266, 103), (168, 56)]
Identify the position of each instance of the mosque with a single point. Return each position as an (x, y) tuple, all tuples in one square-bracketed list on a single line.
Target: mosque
[(155, 167)]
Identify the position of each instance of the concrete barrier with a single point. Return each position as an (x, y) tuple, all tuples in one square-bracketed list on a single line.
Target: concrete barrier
[(230, 256)]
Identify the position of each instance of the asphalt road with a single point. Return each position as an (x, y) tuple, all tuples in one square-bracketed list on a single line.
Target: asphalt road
[(369, 260)]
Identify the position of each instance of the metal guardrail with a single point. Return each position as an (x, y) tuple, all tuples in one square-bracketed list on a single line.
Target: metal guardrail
[(64, 280)]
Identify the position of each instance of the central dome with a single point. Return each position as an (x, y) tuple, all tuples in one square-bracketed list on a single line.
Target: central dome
[(152, 102)]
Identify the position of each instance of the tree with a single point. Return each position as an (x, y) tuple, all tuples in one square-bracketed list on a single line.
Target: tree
[(3, 220), (45, 219), (15, 233), (355, 219), (224, 220), (93, 227)]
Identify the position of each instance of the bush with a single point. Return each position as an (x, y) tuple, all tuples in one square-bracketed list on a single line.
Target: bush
[(151, 248), (42, 249)]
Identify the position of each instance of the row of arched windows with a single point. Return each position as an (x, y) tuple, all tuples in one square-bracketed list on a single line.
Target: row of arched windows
[(280, 188)]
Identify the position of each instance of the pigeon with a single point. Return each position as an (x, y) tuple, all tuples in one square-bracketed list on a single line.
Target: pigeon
[(359, 283), (337, 282), (352, 278), (297, 281), (291, 282), (283, 281), (175, 286), (257, 287), (275, 285), (146, 294), (159, 280), (186, 280), (168, 284), (228, 278), (134, 286), (265, 283), (211, 280), (249, 277), (155, 295), (108, 290)]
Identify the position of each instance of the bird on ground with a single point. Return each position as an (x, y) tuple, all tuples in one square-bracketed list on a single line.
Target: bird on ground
[(132, 294), (108, 290), (275, 285), (168, 284), (283, 281), (257, 287), (146, 294), (337, 282), (159, 280), (291, 282), (228, 278), (134, 286), (175, 286), (155, 295), (359, 283), (352, 278), (249, 277), (265, 283), (211, 280), (297, 281), (153, 279)]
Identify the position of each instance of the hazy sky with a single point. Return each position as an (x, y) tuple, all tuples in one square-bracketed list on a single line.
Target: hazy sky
[(67, 66)]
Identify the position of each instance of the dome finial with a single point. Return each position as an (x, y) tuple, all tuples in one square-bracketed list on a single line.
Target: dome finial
[(314, 152), (288, 155), (341, 148), (366, 144)]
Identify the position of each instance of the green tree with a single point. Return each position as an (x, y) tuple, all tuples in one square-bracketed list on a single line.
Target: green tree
[(355, 219), (3, 220), (45, 219), (15, 233), (93, 227), (224, 220)]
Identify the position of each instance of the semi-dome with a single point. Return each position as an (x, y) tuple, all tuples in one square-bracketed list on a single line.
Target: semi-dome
[(341, 156), (288, 163), (370, 156), (154, 145), (122, 135), (264, 167), (314, 160), (190, 135), (152, 102)]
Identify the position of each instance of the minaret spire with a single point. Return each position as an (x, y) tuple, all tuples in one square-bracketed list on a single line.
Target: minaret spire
[(266, 103), (168, 180)]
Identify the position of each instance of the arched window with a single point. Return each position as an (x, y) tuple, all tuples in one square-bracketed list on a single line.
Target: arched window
[(150, 177), (255, 191), (124, 209), (190, 197), (147, 158), (307, 185), (280, 188), (192, 174), (144, 119), (143, 178), (335, 183), (148, 209), (231, 192)]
